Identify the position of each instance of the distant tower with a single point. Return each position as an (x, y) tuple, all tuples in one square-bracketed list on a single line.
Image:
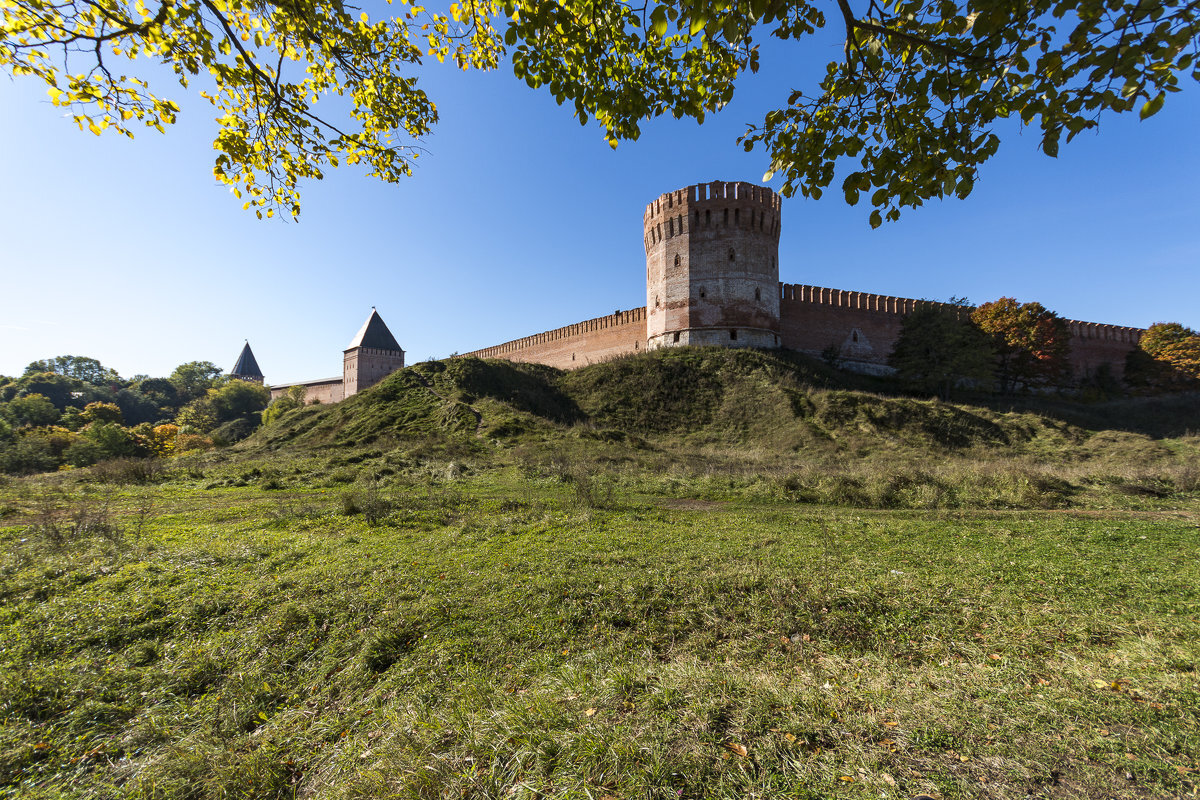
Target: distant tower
[(246, 368), (371, 357), (712, 266)]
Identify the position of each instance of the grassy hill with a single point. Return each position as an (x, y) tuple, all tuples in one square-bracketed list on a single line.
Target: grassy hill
[(685, 575), (775, 422)]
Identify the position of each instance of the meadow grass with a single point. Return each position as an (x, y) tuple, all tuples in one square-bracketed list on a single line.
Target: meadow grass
[(585, 618)]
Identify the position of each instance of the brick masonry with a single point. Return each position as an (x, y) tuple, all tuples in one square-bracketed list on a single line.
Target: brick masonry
[(712, 277)]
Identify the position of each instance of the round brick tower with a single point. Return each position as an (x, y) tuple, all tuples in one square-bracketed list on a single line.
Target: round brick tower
[(712, 266)]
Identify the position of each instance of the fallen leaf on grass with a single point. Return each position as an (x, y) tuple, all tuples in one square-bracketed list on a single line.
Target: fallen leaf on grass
[(888, 779), (740, 749), (591, 712)]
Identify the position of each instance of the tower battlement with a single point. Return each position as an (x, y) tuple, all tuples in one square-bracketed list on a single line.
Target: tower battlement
[(718, 205), (712, 266)]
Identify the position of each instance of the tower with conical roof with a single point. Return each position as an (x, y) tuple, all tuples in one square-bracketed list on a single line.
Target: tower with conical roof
[(246, 368), (372, 356)]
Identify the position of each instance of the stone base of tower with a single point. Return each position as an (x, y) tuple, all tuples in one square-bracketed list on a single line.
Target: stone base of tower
[(716, 337)]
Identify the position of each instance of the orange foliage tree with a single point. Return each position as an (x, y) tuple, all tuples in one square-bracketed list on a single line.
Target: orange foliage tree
[(1032, 343), (1167, 359)]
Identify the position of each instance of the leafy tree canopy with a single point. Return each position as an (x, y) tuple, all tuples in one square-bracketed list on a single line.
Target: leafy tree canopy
[(33, 409), (906, 114), (1168, 358), (939, 347), (239, 399), (1032, 343), (61, 390), (192, 379), (81, 368), (1161, 336)]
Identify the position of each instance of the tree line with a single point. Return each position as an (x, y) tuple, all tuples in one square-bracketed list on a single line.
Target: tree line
[(73, 411), (1008, 346)]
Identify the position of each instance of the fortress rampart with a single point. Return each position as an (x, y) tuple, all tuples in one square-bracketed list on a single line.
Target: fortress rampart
[(860, 326), (712, 278), (577, 345)]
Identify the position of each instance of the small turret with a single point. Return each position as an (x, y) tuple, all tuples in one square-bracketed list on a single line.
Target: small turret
[(246, 368), (372, 356)]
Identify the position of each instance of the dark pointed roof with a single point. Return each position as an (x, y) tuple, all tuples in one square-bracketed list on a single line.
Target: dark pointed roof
[(374, 333), (246, 366)]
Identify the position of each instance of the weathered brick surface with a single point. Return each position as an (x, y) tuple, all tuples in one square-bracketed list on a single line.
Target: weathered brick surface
[(1095, 345), (320, 391), (363, 367), (863, 328), (577, 345), (712, 266)]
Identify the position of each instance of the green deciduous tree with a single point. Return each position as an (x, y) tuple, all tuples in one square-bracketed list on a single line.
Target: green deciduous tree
[(239, 399), (34, 410), (908, 112), (81, 368), (61, 390), (101, 412), (193, 379), (939, 348), (1032, 343), (292, 398)]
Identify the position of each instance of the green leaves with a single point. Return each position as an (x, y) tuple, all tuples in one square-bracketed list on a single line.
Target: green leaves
[(907, 113), (1152, 107)]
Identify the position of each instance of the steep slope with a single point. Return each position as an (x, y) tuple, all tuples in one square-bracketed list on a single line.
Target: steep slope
[(776, 401)]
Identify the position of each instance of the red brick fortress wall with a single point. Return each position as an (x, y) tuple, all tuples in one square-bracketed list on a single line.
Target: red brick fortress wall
[(1094, 345), (862, 327), (577, 345)]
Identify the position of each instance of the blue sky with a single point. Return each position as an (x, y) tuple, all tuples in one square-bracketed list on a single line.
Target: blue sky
[(519, 220)]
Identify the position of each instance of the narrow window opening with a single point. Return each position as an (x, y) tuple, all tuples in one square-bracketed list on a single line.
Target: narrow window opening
[(733, 335), (732, 255), (758, 294), (635, 344), (854, 336), (656, 303), (670, 227), (702, 291), (678, 261), (708, 216), (737, 216), (676, 336), (572, 356), (727, 216), (697, 217), (761, 219)]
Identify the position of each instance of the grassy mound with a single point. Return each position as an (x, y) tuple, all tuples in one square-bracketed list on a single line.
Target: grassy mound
[(779, 401)]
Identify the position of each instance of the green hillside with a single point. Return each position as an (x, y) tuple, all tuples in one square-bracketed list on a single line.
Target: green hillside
[(767, 422)]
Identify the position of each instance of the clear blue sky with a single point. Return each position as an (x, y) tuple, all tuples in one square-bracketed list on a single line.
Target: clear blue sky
[(519, 220)]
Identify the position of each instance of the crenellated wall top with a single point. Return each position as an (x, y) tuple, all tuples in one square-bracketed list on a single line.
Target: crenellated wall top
[(717, 194)]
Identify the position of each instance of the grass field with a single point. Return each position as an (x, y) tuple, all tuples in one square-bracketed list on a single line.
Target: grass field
[(497, 582), (492, 635)]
